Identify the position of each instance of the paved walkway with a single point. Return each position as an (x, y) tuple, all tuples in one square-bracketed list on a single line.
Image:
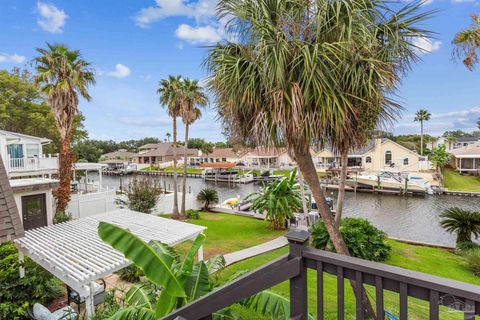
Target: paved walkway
[(255, 251)]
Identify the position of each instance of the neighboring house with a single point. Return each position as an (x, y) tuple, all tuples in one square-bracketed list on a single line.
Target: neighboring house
[(457, 143), (118, 160), (218, 155), (467, 159), (23, 155), (158, 153), (262, 157), (376, 155)]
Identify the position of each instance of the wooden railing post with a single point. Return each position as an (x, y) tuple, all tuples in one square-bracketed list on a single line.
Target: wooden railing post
[(298, 240)]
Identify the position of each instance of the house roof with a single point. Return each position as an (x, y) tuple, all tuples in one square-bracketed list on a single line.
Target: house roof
[(11, 226), (21, 135), (467, 139), (219, 165), (123, 154), (224, 153), (151, 145), (164, 149), (467, 152)]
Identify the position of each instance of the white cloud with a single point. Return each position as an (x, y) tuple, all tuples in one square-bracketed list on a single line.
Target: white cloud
[(147, 121), (121, 71), (201, 10), (462, 1), (426, 45), (51, 18), (11, 58), (198, 35)]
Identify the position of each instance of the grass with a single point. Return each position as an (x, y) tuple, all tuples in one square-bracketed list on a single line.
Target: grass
[(170, 169), (228, 233), (434, 261), (456, 182)]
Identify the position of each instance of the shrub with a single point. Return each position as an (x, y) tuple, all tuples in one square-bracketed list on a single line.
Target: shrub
[(362, 238), (473, 260), (131, 273), (114, 301), (143, 195), (192, 214), (61, 217), (16, 293), (466, 246)]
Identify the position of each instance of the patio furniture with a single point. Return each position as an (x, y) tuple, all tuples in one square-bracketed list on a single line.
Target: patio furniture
[(40, 312), (98, 295)]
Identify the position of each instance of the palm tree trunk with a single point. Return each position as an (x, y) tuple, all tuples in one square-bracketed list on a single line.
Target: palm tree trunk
[(307, 168), (66, 159), (175, 214), (302, 193), (341, 188), (184, 186), (421, 138)]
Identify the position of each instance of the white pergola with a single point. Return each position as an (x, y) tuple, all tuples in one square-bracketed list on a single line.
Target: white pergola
[(74, 253)]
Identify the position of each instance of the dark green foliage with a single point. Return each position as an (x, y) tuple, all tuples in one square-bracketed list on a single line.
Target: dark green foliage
[(143, 194), (192, 214), (208, 196), (473, 260), (17, 294), (110, 306), (131, 273), (463, 247), (363, 239), (463, 222), (61, 217)]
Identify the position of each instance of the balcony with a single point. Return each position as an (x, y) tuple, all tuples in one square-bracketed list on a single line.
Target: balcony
[(438, 296), (26, 166)]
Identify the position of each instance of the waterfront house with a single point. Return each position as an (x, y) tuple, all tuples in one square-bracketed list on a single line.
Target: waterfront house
[(457, 143), (467, 159), (219, 155), (118, 160), (376, 155), (262, 157), (161, 153)]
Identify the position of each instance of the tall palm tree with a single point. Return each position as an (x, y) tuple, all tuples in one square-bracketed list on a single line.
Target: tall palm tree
[(170, 97), (168, 135), (421, 116), (464, 222), (64, 77), (192, 96), (467, 43), (297, 72)]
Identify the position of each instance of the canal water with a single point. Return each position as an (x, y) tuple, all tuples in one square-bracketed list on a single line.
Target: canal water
[(410, 218)]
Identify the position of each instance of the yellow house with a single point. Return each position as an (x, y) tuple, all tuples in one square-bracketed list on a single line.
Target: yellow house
[(376, 155)]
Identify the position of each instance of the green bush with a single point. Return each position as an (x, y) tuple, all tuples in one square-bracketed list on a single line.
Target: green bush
[(463, 247), (142, 195), (16, 293), (61, 217), (192, 214), (111, 305), (473, 260), (362, 238), (131, 273)]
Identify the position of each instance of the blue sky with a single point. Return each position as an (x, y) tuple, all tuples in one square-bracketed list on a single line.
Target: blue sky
[(134, 44)]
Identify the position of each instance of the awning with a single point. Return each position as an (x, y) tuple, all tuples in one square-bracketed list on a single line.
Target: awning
[(89, 166), (219, 165), (74, 253)]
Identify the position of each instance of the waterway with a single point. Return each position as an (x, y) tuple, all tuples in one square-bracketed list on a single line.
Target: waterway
[(412, 217)]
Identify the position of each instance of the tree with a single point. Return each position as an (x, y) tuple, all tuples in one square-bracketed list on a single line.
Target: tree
[(439, 156), (285, 78), (64, 77), (169, 92), (467, 43), (207, 196), (192, 95), (142, 195), (207, 148), (168, 135), (421, 116), (464, 222), (23, 109), (279, 199)]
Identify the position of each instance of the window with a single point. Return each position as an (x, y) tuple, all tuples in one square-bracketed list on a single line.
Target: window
[(368, 160), (388, 157), (33, 150), (405, 162), (15, 150)]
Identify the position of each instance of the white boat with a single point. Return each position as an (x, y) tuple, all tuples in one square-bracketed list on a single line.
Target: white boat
[(396, 181)]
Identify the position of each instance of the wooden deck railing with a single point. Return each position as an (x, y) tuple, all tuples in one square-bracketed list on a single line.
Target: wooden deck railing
[(454, 295)]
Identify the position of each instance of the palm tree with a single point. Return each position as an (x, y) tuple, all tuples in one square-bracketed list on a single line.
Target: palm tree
[(208, 196), (467, 43), (421, 116), (287, 77), (279, 199), (170, 97), (192, 96), (464, 222), (450, 139), (168, 135), (64, 77)]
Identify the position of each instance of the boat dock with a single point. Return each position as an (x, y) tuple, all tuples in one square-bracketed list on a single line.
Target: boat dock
[(168, 174)]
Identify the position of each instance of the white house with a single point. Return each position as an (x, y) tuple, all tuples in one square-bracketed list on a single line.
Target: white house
[(451, 143), (23, 155)]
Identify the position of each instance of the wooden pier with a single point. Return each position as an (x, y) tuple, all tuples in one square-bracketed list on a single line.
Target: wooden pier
[(168, 174)]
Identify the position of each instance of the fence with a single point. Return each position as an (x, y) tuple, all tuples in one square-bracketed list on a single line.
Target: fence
[(83, 205)]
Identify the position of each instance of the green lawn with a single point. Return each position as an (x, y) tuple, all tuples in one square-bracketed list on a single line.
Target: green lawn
[(228, 233), (456, 182), (424, 259)]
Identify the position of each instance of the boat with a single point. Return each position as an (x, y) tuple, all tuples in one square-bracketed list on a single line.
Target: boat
[(395, 181)]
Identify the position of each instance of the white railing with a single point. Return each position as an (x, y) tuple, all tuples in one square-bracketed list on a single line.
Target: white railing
[(32, 164)]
